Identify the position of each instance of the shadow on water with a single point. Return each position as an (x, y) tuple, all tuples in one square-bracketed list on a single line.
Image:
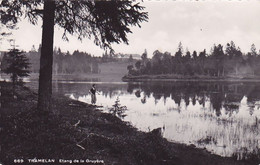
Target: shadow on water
[(221, 117)]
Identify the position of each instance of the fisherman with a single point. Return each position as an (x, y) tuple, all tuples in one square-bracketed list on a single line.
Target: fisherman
[(93, 91)]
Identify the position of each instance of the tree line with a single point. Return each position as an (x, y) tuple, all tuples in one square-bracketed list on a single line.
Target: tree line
[(64, 62), (219, 62)]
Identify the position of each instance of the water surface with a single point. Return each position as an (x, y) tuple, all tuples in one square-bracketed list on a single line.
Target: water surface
[(221, 117)]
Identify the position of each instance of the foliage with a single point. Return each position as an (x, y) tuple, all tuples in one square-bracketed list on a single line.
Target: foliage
[(104, 21), (118, 110), (130, 68), (69, 63), (16, 64), (144, 55), (219, 62)]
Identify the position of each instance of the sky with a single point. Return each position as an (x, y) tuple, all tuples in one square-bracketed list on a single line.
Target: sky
[(197, 24)]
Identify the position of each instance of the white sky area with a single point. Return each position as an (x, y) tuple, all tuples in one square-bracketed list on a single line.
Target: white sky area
[(198, 25)]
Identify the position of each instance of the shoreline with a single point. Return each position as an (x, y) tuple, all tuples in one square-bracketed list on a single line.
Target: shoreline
[(170, 78), (77, 130)]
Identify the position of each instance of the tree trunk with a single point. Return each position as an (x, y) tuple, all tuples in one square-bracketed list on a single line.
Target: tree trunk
[(46, 60)]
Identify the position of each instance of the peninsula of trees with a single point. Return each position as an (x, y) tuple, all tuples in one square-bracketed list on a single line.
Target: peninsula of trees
[(221, 62)]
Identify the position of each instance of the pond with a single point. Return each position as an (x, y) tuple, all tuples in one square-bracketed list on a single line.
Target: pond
[(224, 118)]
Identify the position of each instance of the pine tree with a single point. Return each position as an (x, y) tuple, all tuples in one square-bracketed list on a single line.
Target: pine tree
[(17, 65)]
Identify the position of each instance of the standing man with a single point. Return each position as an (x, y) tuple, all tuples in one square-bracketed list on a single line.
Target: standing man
[(93, 94)]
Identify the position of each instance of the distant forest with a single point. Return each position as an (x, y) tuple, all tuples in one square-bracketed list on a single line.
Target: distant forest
[(219, 62), (66, 63)]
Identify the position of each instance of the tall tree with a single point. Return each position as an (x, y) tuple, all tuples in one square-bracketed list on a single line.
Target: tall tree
[(194, 55), (105, 21), (218, 55), (187, 55), (202, 57), (17, 65), (235, 57), (156, 62), (144, 55), (179, 53), (253, 60), (231, 49), (253, 50)]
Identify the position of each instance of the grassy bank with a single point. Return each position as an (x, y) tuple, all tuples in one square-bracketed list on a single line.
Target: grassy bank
[(75, 130), (205, 78)]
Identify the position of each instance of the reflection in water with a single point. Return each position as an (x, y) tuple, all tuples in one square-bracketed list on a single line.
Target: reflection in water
[(222, 117)]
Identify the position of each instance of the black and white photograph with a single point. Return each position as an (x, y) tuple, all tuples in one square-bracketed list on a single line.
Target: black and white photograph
[(118, 82)]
